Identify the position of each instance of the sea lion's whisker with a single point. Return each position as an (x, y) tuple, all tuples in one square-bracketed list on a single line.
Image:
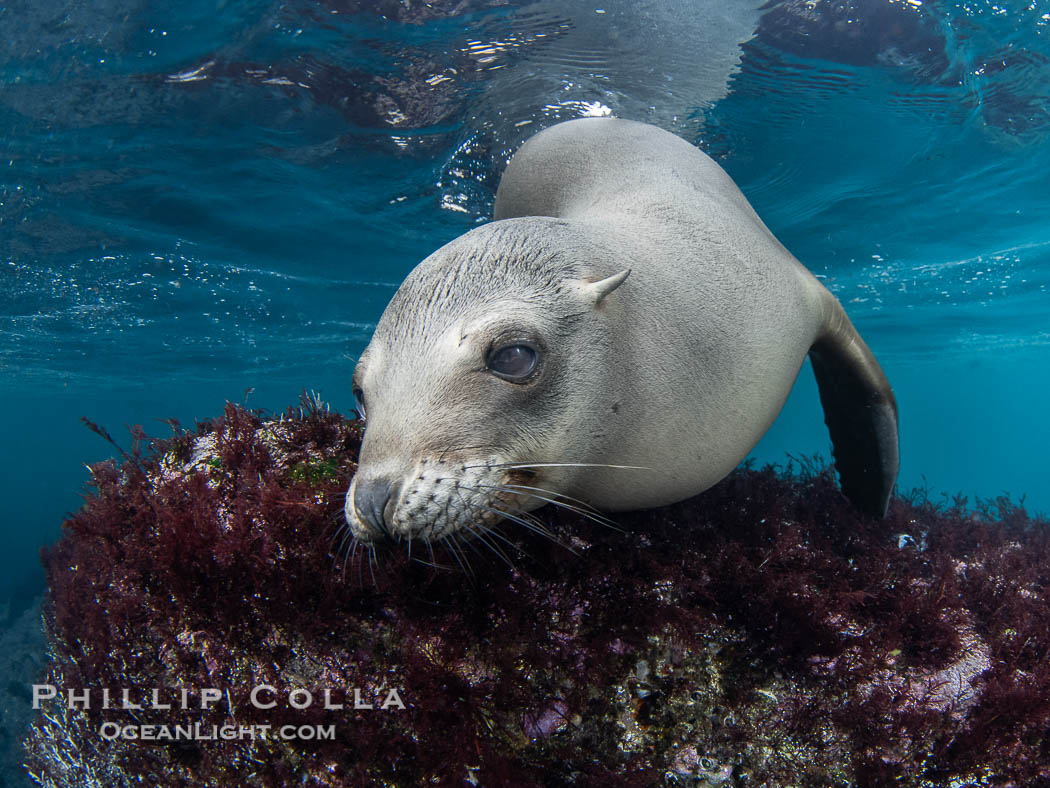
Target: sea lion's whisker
[(344, 535), (521, 518), (341, 531), (480, 531), (521, 465), (351, 555), (361, 566), (580, 507), (335, 535), (457, 552), (576, 501), (555, 502), (518, 517), (513, 466), (348, 539), (346, 558), (433, 562), (529, 524), (339, 523), (373, 561)]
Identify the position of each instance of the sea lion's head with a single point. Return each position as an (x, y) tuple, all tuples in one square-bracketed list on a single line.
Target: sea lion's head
[(483, 388)]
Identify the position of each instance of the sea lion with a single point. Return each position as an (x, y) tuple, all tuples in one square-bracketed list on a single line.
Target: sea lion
[(619, 337)]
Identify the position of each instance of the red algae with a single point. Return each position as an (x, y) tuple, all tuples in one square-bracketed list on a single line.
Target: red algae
[(763, 633)]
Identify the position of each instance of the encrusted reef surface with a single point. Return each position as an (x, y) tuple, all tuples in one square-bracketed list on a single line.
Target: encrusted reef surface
[(760, 634)]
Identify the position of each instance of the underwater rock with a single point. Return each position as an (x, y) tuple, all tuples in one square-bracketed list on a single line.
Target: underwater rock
[(859, 32), (22, 662), (760, 634)]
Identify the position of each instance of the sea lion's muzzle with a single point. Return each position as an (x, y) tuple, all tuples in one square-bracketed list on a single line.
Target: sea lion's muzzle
[(371, 500), (437, 498), (369, 507)]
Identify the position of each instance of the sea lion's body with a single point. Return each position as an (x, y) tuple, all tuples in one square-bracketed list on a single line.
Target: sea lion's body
[(676, 370)]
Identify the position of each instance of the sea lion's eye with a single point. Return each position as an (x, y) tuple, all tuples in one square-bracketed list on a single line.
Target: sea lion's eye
[(513, 362), (360, 397)]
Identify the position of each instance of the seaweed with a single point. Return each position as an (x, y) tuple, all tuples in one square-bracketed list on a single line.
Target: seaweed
[(763, 633)]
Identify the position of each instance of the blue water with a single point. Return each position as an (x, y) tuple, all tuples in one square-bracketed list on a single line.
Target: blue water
[(216, 200)]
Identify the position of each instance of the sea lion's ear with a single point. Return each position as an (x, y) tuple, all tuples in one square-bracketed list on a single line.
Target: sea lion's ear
[(597, 291)]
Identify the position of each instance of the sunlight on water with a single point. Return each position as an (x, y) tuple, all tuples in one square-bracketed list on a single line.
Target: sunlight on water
[(263, 145)]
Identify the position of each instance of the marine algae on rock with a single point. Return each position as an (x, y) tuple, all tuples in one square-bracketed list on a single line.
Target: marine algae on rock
[(760, 634)]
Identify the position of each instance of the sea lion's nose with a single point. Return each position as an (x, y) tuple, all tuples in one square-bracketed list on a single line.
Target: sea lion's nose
[(371, 498)]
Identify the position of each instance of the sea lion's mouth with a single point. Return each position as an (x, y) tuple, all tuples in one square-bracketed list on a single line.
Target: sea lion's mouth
[(439, 499)]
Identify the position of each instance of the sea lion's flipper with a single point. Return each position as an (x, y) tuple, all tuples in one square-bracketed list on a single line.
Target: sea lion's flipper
[(859, 409)]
